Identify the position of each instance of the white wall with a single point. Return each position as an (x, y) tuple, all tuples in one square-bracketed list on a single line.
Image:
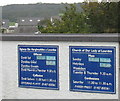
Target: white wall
[(0, 70), (10, 73)]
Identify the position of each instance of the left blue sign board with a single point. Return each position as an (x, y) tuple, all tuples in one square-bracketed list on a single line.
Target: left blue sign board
[(38, 66)]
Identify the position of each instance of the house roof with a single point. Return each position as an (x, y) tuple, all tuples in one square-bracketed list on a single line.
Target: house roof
[(29, 21)]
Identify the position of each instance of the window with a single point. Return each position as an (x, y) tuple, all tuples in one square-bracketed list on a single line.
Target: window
[(3, 22), (23, 20), (38, 20)]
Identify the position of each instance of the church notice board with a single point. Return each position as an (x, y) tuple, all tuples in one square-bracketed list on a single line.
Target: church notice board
[(93, 69), (38, 66)]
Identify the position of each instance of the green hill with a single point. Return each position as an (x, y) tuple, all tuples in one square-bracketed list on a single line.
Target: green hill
[(14, 11)]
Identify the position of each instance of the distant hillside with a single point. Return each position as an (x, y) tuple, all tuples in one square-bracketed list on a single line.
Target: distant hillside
[(13, 12)]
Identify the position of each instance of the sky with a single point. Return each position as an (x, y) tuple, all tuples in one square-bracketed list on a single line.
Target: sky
[(7, 2)]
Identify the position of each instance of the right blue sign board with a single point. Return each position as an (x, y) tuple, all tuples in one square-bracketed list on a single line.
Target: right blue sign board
[(93, 69)]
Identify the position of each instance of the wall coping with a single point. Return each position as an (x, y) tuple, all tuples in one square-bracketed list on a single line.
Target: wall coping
[(96, 37)]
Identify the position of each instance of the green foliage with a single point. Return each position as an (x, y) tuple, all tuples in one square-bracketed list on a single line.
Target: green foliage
[(92, 17), (95, 18), (72, 21), (3, 30), (102, 17), (11, 23)]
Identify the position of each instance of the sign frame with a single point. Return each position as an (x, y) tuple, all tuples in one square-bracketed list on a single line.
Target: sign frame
[(57, 68), (90, 91)]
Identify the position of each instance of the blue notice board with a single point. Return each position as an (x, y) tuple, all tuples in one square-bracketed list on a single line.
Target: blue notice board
[(93, 69), (38, 66)]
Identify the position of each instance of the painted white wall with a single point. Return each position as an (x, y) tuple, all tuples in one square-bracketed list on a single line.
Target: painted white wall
[(10, 73), (0, 70)]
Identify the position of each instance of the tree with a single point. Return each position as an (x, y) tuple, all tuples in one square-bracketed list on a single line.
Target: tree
[(102, 17), (97, 17), (72, 21)]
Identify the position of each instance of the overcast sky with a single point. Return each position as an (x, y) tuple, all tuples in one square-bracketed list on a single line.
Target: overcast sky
[(6, 2)]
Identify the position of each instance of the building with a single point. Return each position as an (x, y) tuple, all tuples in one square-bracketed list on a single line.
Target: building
[(5, 25), (28, 25), (13, 28), (55, 18)]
